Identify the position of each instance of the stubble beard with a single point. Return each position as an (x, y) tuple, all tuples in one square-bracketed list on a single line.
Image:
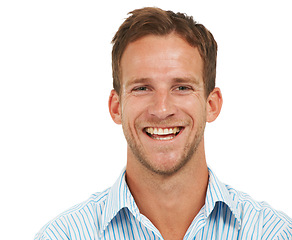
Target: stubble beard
[(188, 152)]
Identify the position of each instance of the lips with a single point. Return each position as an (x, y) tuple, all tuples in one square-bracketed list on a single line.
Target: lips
[(162, 133)]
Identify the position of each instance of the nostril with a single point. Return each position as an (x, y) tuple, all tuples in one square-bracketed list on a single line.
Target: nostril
[(161, 112)]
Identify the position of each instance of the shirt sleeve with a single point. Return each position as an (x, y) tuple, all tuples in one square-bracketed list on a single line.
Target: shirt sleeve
[(55, 230)]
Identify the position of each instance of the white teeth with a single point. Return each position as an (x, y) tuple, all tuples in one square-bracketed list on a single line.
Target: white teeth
[(163, 138), (160, 131)]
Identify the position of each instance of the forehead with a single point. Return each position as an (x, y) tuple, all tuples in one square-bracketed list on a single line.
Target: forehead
[(157, 57)]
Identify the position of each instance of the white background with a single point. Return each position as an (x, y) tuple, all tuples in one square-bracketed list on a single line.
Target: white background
[(58, 144)]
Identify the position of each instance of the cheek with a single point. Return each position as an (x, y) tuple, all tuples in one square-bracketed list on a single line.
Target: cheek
[(195, 108), (131, 111), (134, 106), (192, 103)]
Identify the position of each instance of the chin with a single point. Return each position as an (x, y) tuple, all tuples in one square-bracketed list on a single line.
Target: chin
[(165, 166)]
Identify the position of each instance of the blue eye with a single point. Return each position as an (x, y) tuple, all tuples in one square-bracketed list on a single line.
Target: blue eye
[(140, 89), (183, 88)]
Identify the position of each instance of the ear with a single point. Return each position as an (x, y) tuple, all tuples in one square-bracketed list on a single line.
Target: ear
[(114, 107), (214, 104)]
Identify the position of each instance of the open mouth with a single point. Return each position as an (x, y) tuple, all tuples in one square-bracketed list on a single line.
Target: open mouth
[(163, 133)]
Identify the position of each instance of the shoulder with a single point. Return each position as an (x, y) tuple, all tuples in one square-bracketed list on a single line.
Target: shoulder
[(271, 223), (83, 215)]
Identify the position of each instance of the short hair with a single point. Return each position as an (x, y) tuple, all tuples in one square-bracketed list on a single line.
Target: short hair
[(155, 21)]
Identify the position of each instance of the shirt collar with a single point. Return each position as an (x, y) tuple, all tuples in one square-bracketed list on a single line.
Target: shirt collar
[(218, 192), (119, 197)]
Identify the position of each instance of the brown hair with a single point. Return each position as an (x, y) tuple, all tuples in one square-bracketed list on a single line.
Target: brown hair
[(147, 21)]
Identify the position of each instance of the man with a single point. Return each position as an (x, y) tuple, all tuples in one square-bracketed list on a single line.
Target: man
[(164, 67)]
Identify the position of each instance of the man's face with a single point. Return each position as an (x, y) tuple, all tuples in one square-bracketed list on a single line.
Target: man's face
[(162, 102)]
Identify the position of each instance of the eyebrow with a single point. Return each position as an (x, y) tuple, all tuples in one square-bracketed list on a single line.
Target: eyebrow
[(187, 80), (192, 80), (137, 81)]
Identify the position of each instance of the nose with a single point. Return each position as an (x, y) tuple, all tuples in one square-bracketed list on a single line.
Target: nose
[(162, 105)]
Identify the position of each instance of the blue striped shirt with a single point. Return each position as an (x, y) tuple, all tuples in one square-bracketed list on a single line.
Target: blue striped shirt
[(113, 214)]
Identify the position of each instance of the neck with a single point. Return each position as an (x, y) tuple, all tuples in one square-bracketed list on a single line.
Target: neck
[(170, 202)]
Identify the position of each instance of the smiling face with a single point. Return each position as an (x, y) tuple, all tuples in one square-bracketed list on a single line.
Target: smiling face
[(162, 106)]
